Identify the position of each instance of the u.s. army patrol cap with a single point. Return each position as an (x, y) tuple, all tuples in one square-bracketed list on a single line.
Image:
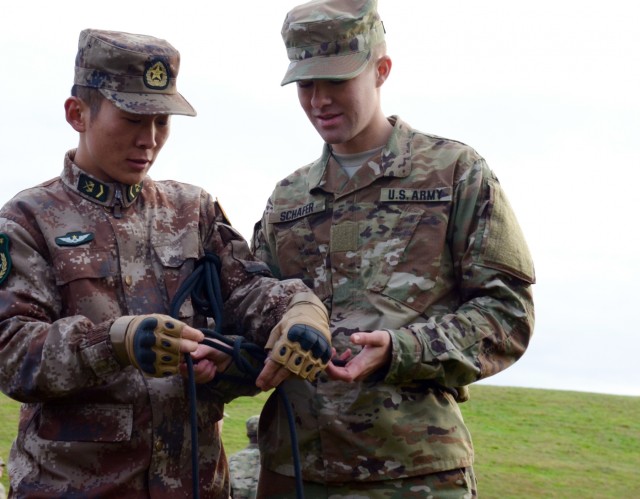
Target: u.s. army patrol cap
[(137, 73), (330, 39)]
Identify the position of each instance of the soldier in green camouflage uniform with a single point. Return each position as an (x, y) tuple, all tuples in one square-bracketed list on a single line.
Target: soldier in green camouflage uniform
[(244, 465), (410, 242), (90, 262), (3, 492)]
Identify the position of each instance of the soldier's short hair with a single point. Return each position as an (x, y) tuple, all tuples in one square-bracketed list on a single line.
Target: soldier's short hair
[(91, 96)]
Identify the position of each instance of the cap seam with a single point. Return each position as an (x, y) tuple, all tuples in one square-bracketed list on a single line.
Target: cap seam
[(131, 51)]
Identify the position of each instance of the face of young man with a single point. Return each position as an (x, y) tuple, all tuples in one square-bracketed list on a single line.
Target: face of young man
[(346, 113), (117, 146)]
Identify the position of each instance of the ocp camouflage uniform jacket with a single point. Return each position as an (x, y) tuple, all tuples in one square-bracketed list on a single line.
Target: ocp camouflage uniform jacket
[(421, 242), (88, 427), (244, 471)]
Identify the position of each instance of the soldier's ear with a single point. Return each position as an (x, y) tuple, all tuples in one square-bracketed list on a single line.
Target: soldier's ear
[(383, 68), (77, 112)]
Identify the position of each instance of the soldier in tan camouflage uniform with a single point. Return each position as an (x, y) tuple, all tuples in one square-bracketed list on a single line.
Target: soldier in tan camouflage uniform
[(244, 465), (410, 242), (90, 262)]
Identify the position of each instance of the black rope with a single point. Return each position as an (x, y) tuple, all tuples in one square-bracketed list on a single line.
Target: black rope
[(204, 287), (193, 420)]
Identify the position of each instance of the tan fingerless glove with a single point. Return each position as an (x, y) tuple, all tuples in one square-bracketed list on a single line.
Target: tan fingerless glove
[(150, 343), (301, 341)]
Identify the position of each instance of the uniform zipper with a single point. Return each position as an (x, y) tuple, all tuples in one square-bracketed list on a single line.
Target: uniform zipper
[(117, 206)]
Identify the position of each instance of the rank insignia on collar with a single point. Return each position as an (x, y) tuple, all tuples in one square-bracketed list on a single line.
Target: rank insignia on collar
[(133, 191), (93, 188), (74, 238), (5, 257), (156, 75)]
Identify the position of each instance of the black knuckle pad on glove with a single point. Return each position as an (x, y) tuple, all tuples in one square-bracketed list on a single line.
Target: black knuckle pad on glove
[(301, 341), (143, 341), (311, 340), (151, 342)]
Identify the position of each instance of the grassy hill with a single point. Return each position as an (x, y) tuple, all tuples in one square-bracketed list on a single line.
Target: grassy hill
[(529, 443)]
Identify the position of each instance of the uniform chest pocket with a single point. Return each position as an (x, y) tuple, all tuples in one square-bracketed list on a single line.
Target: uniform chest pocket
[(71, 264), (81, 274), (404, 253), (176, 261), (301, 256), (86, 422)]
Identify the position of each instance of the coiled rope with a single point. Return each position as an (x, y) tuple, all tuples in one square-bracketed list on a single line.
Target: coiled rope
[(203, 285)]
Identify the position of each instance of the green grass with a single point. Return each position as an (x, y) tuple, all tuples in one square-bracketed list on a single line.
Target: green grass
[(234, 430), (9, 414), (529, 443), (544, 443)]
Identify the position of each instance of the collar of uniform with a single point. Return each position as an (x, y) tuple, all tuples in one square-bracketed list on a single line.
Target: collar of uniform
[(102, 193), (396, 155), (395, 159)]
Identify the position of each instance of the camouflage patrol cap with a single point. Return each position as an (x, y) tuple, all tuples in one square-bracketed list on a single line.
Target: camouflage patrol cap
[(137, 73), (252, 425), (330, 39)]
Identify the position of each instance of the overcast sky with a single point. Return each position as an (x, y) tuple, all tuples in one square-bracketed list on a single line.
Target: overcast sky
[(547, 91)]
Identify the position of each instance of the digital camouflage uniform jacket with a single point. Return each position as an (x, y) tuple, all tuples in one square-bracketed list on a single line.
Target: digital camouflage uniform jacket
[(244, 471), (83, 253), (421, 242)]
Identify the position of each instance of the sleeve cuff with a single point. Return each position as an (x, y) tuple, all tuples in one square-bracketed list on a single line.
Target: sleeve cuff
[(98, 353), (406, 353), (117, 334)]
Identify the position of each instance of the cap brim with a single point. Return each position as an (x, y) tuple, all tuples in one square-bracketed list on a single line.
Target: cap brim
[(333, 67), (149, 103)]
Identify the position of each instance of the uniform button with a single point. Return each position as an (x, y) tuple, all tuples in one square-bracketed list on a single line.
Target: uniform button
[(128, 280), (158, 445)]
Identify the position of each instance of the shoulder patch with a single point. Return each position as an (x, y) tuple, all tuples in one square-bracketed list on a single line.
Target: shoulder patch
[(74, 238), (506, 247), (222, 212), (5, 257)]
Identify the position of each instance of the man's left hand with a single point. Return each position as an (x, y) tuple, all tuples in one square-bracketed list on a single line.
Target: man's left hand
[(272, 375)]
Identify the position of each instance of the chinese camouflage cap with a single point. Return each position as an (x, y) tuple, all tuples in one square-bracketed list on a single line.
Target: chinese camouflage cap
[(330, 39), (137, 73), (252, 425)]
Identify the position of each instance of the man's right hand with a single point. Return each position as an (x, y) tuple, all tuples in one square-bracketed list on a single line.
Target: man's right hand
[(153, 343), (207, 362)]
